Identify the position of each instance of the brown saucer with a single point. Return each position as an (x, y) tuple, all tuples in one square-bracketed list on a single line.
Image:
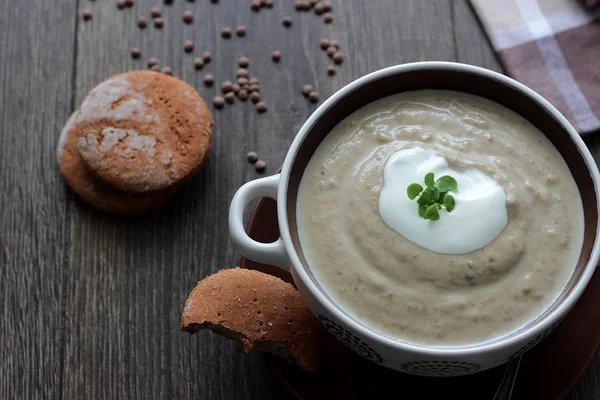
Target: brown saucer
[(549, 371)]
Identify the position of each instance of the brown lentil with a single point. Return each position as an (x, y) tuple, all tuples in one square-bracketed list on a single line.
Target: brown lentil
[(188, 17), (155, 12), (209, 80), (242, 72), (328, 18), (135, 52), (188, 46), (260, 165), (227, 86), (324, 44), (243, 95), (338, 57), (255, 97), (141, 22), (243, 62), (218, 102), (287, 22), (158, 22), (152, 61), (252, 156), (166, 70), (261, 107), (226, 32), (229, 97), (240, 31), (206, 56), (313, 96), (198, 63), (330, 70), (306, 89), (86, 15), (276, 56)]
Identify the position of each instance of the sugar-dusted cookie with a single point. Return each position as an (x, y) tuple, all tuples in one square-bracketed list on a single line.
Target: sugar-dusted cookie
[(143, 131), (94, 192)]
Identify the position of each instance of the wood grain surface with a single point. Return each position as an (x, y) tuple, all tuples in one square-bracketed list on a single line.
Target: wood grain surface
[(90, 304)]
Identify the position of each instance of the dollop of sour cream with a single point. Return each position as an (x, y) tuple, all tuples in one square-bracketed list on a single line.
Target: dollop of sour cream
[(477, 219)]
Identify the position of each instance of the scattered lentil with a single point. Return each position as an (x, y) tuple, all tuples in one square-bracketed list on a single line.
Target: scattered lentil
[(276, 56), (313, 96), (152, 61), (206, 56), (324, 44), (331, 50), (188, 46), (188, 17), (255, 97), (287, 22), (242, 72), (141, 22), (158, 22), (229, 97), (261, 107), (243, 95), (331, 70), (243, 62), (209, 80), (227, 86), (255, 6), (198, 63), (260, 165), (306, 89), (218, 102), (252, 156), (319, 8), (86, 15), (236, 88), (135, 52), (226, 32), (167, 70), (253, 81), (155, 12), (328, 18), (241, 31), (338, 57)]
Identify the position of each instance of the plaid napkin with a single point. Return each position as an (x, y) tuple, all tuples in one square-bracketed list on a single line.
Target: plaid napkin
[(552, 46)]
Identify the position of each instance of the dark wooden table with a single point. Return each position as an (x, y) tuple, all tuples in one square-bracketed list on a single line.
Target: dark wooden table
[(90, 304)]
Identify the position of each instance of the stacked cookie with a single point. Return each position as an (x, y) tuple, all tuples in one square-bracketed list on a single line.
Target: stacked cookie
[(135, 139)]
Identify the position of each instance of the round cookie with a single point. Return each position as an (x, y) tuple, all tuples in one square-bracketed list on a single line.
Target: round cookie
[(143, 131), (94, 192)]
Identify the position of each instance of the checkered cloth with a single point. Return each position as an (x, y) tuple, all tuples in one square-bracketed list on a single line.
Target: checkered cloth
[(552, 46)]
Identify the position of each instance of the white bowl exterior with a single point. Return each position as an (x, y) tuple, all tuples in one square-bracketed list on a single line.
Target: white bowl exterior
[(405, 356)]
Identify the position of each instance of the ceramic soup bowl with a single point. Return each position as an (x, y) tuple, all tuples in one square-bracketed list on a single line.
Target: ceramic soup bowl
[(287, 252)]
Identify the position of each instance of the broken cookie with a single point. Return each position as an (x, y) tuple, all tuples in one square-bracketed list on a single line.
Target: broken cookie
[(260, 311)]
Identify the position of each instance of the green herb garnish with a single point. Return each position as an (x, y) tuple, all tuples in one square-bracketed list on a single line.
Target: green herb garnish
[(434, 197)]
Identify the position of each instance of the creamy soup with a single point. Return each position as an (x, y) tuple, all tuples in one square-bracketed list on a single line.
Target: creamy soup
[(494, 262)]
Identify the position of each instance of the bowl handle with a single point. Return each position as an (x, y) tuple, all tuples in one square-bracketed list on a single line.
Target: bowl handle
[(265, 253)]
